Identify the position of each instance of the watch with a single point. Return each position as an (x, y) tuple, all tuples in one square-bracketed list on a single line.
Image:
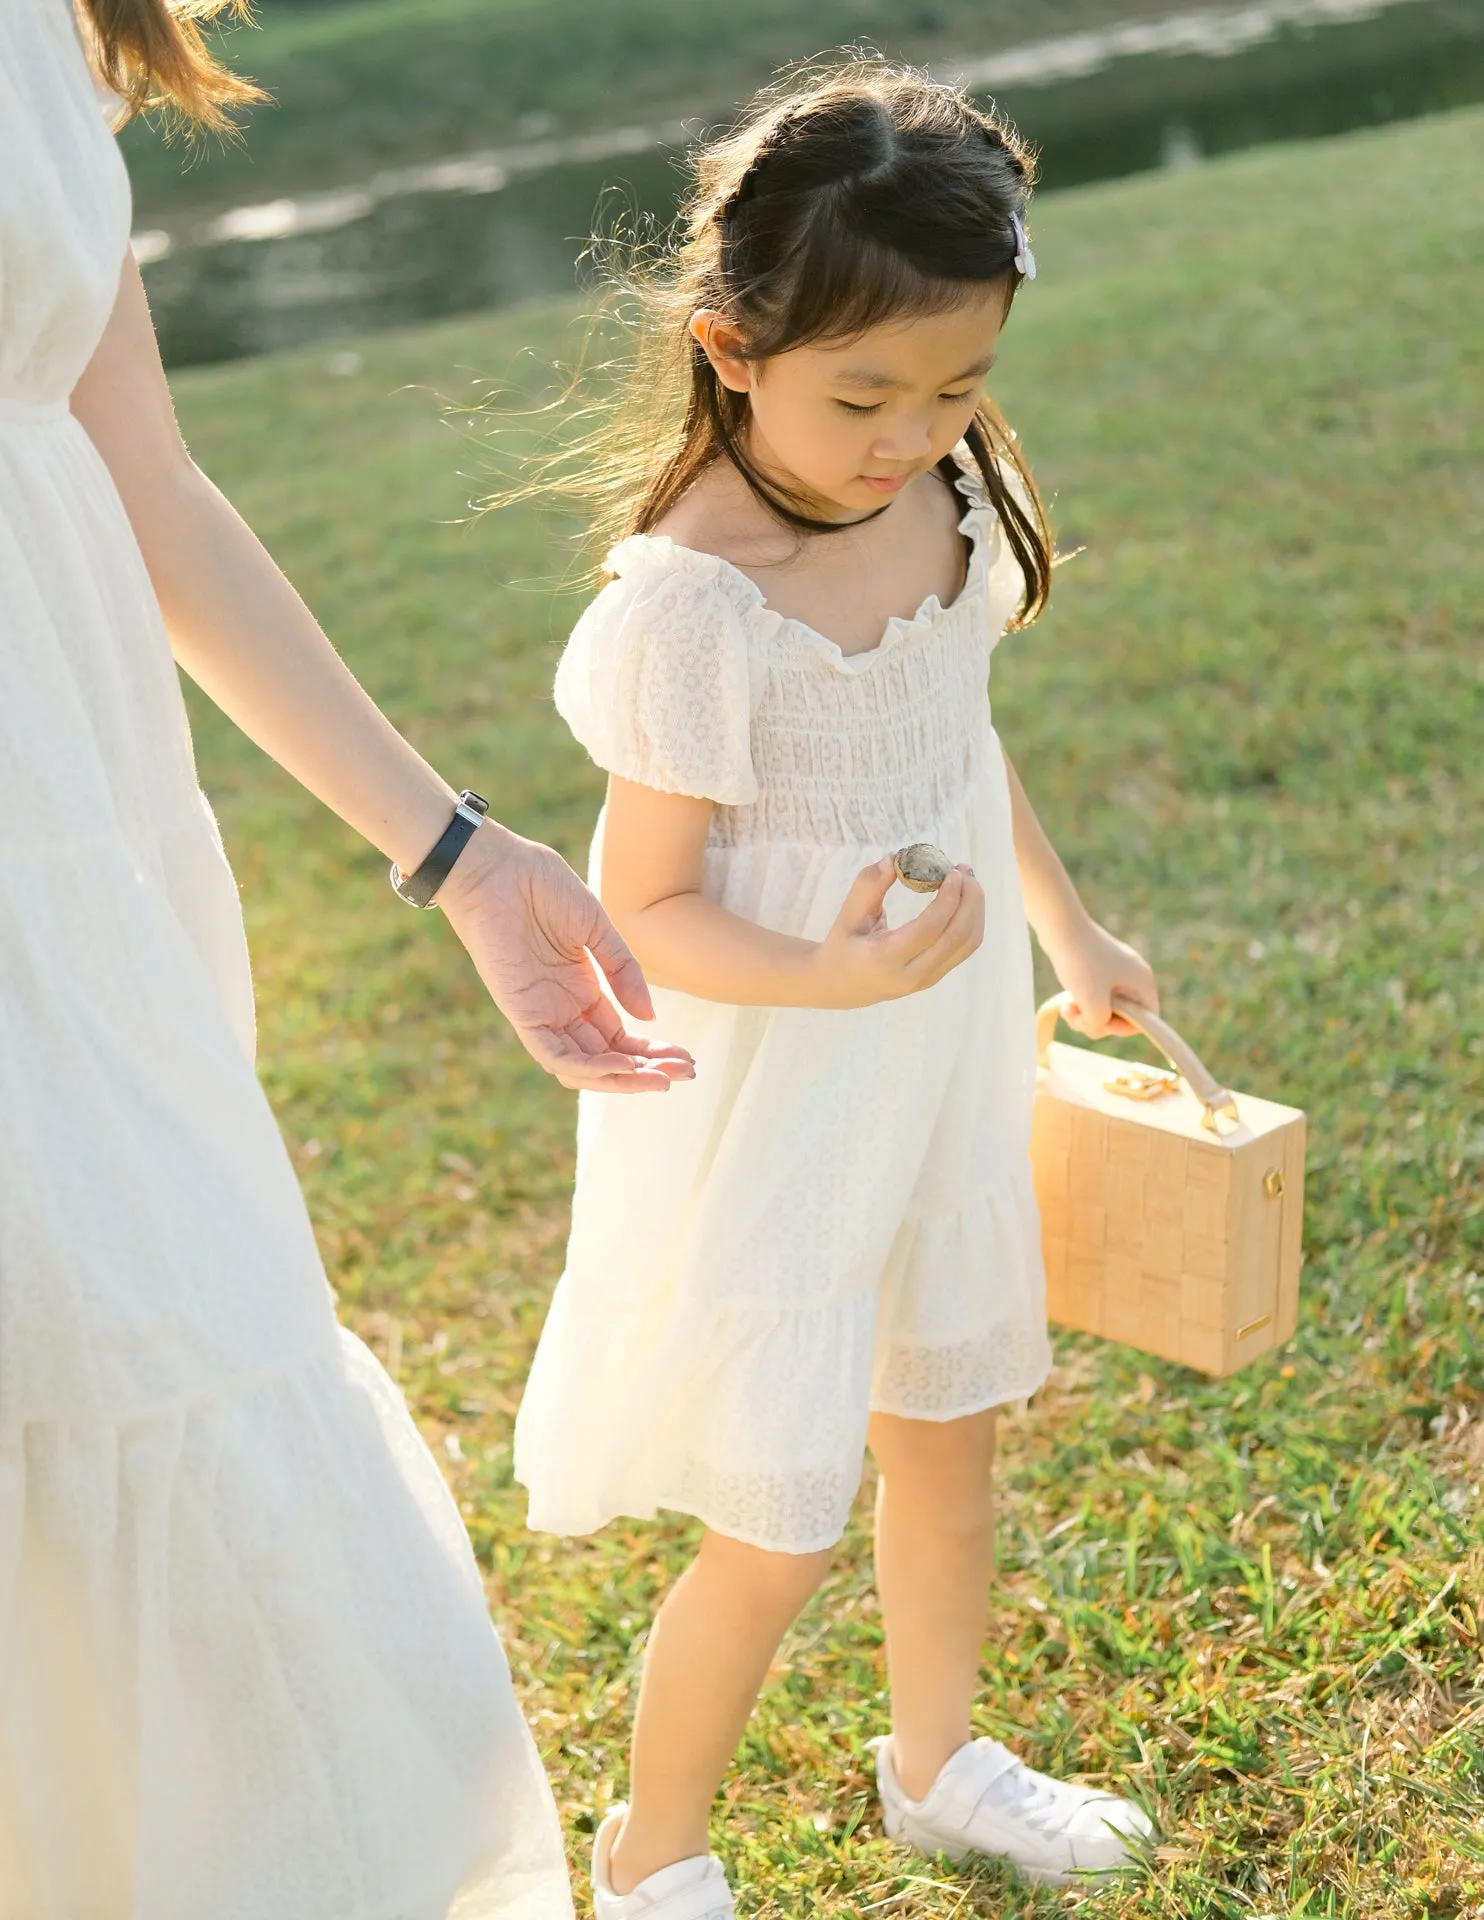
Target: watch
[(420, 889)]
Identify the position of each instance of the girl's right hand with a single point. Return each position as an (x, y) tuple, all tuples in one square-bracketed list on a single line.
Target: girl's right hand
[(862, 961)]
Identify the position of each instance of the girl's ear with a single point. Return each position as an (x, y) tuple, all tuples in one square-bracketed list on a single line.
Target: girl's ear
[(724, 348)]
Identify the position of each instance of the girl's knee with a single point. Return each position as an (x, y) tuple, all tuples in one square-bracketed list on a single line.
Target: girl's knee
[(942, 1473), (935, 1453), (777, 1581)]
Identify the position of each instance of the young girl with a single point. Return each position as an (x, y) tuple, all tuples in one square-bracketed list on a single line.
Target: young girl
[(830, 1240)]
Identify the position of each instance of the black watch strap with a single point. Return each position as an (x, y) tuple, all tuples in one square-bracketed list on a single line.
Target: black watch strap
[(420, 889)]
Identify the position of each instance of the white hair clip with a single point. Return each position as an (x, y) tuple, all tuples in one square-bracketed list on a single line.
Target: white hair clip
[(1025, 260)]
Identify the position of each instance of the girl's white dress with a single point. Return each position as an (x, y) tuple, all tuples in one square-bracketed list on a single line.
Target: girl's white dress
[(837, 1215), (246, 1669)]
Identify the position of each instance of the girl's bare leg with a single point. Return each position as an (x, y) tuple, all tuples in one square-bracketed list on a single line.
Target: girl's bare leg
[(709, 1652), (934, 1564)]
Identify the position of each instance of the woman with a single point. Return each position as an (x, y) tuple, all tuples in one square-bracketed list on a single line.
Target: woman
[(245, 1664)]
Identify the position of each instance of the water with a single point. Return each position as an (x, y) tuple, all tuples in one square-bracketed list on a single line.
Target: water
[(487, 230)]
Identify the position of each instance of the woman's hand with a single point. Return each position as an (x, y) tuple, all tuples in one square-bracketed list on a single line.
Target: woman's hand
[(543, 947), (542, 944), (862, 961), (1092, 966)]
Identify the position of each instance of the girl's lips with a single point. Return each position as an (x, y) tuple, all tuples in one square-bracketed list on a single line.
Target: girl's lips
[(890, 485)]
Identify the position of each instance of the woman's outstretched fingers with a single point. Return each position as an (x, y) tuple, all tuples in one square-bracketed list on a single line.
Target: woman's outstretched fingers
[(619, 967), (549, 955), (674, 1061), (611, 1036), (582, 1058)]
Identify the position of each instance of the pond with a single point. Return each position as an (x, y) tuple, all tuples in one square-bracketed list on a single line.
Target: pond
[(487, 229)]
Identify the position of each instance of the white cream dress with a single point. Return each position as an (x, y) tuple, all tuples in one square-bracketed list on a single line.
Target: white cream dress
[(837, 1215), (246, 1668)]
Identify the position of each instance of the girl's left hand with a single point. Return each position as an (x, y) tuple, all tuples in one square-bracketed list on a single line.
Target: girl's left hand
[(1092, 966)]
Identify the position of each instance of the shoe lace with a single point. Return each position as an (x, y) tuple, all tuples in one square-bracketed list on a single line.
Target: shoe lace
[(1036, 1800)]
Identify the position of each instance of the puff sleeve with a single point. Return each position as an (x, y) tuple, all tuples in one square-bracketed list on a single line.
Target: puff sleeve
[(1004, 579), (656, 681)]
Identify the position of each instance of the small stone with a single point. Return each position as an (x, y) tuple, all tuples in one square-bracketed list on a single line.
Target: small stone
[(923, 867)]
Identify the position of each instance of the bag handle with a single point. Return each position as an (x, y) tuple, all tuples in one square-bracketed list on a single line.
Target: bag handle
[(1214, 1098)]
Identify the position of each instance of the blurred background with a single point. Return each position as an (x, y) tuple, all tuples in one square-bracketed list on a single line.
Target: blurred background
[(431, 157)]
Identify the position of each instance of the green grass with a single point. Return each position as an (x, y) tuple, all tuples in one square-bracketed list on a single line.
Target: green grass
[(380, 83), (1253, 723)]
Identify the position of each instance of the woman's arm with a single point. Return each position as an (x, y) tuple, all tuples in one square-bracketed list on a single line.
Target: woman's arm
[(1088, 961), (653, 849), (241, 632), (236, 625)]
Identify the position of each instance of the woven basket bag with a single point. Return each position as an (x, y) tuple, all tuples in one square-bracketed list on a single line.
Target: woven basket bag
[(1171, 1208)]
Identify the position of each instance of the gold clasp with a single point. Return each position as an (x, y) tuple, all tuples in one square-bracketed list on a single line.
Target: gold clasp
[(1272, 1182), (1142, 1083)]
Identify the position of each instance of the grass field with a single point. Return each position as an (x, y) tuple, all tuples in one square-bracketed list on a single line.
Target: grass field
[(377, 83), (1253, 722)]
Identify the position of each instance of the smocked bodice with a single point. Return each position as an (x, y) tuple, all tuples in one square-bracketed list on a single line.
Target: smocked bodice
[(682, 677), (64, 210)]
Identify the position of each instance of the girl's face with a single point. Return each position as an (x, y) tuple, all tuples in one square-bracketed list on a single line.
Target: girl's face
[(849, 423)]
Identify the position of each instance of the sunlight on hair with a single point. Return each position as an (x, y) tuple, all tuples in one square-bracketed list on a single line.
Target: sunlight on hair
[(850, 193), (155, 56)]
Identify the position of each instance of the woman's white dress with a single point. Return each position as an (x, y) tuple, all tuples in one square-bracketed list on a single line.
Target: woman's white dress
[(837, 1214), (246, 1669)]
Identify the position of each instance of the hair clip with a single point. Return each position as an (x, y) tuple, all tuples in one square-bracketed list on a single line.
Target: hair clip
[(1025, 260)]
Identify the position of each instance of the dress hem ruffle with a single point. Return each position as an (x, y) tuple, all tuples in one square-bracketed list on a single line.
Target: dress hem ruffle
[(543, 1521)]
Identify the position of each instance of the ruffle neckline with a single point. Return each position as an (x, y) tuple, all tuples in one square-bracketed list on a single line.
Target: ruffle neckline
[(751, 602)]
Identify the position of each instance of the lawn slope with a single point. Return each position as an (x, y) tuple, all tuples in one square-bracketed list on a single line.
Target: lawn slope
[(1252, 721)]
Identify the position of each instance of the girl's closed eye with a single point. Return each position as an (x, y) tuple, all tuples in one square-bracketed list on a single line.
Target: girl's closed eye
[(948, 399)]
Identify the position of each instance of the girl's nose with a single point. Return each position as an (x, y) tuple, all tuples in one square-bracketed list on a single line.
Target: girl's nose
[(907, 440)]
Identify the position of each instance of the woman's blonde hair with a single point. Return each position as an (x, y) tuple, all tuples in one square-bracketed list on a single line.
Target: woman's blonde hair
[(849, 194), (154, 54)]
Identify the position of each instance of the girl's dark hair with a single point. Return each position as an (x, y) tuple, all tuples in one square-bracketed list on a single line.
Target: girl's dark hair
[(847, 195)]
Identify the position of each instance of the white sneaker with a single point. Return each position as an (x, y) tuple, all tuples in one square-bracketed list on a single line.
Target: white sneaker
[(987, 1801), (694, 1889)]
